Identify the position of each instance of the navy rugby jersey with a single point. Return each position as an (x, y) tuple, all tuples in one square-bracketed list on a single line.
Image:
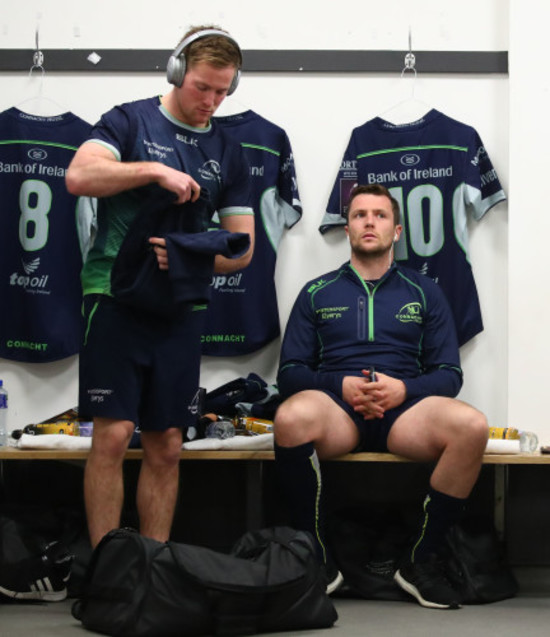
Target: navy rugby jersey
[(439, 171), (44, 232), (144, 130), (340, 325), (243, 314)]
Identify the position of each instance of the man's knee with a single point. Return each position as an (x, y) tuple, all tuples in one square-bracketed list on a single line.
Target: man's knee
[(162, 448), (468, 432), (284, 421), (285, 415), (294, 420), (111, 438), (477, 429)]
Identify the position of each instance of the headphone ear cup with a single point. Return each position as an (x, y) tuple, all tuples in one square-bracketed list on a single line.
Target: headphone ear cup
[(234, 82), (175, 70)]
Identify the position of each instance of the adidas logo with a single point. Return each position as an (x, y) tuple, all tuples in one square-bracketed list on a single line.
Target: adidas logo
[(42, 586)]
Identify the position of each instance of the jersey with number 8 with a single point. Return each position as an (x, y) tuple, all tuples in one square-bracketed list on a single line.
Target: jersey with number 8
[(43, 229)]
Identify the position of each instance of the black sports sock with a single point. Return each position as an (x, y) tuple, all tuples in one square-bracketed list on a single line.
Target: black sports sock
[(299, 475), (441, 511)]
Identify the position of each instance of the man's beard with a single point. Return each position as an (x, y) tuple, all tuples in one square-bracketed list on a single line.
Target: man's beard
[(361, 252)]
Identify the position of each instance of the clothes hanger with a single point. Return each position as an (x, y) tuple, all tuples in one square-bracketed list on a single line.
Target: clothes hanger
[(40, 104), (411, 108), (231, 106)]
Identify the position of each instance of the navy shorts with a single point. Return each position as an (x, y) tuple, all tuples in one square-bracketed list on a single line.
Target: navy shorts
[(373, 434), (138, 367)]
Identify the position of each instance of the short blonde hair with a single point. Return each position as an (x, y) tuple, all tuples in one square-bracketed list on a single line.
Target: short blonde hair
[(216, 50)]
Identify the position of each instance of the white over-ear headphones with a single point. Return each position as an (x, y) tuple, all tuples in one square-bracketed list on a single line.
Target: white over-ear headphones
[(177, 64)]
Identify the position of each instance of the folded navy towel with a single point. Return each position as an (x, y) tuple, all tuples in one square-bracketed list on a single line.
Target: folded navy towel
[(136, 279)]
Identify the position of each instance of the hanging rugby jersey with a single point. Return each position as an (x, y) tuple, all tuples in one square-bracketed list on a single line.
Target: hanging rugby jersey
[(43, 228), (243, 314), (439, 171)]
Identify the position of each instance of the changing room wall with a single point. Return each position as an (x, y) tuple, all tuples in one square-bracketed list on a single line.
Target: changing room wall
[(318, 111)]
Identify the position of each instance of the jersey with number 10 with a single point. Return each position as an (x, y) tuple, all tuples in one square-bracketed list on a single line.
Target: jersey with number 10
[(41, 229), (438, 170)]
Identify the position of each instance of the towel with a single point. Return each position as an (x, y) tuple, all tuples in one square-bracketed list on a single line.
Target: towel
[(53, 441), (262, 442), (495, 445), (136, 279)]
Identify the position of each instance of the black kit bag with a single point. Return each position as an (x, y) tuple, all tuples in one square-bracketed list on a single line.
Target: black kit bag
[(224, 399), (139, 587), (367, 544), (477, 565)]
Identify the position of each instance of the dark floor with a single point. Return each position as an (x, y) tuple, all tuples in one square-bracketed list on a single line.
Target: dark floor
[(527, 615)]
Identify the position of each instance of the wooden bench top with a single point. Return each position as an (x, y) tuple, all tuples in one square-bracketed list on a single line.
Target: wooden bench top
[(12, 453)]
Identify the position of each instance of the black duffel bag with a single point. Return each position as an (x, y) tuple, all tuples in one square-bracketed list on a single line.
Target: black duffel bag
[(477, 565), (140, 587), (368, 544)]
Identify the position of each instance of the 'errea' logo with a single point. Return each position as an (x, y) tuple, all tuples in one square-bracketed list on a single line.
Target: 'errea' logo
[(410, 313)]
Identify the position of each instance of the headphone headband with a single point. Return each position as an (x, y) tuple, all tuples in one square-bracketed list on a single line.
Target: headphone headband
[(177, 64), (203, 34)]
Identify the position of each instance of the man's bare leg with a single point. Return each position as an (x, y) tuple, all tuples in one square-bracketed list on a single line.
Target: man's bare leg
[(454, 435), (103, 479), (448, 431), (158, 482)]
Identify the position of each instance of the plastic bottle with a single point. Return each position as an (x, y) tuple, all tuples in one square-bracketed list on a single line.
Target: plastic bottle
[(3, 415), (220, 429), (253, 425), (528, 441)]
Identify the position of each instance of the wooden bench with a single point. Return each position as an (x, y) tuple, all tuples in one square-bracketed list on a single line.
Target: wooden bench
[(254, 470), (12, 453)]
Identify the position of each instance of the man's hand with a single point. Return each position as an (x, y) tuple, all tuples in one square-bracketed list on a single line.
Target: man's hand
[(373, 398), (185, 187), (94, 171), (159, 246)]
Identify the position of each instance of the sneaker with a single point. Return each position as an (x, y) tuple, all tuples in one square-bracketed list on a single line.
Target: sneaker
[(427, 582), (39, 578), (333, 577), (334, 582)]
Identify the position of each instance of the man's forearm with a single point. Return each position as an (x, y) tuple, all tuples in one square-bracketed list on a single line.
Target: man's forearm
[(444, 381), (105, 178), (236, 223), (293, 378)]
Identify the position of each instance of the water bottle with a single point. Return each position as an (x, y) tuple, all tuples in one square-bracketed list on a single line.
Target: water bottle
[(3, 415), (220, 429), (528, 441)]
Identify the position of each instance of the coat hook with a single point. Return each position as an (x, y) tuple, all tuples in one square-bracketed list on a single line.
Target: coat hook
[(410, 58), (38, 56)]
